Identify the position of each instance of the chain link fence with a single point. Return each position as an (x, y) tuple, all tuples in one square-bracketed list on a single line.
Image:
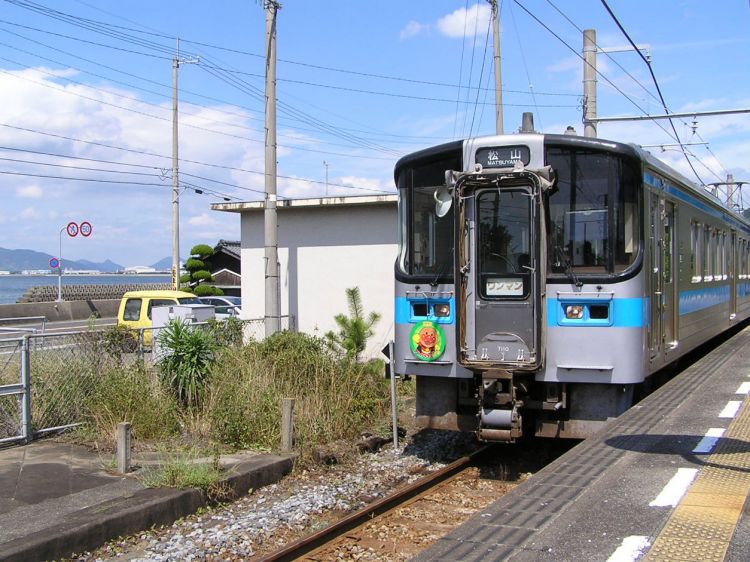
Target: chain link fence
[(10, 397), (64, 372)]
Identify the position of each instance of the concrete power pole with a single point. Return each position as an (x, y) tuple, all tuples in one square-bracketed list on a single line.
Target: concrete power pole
[(272, 286), (498, 69), (589, 82), (175, 177), (176, 171)]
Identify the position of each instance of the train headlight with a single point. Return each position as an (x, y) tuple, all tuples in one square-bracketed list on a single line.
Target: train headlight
[(574, 312), (442, 310)]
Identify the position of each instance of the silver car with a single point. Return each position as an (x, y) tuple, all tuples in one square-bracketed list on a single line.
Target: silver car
[(225, 306)]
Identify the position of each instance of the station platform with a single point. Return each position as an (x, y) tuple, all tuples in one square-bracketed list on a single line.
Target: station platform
[(666, 481)]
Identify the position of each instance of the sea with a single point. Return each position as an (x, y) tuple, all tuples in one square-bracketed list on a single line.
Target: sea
[(12, 287)]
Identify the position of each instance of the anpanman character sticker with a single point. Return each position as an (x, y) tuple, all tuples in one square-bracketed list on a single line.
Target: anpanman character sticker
[(427, 341)]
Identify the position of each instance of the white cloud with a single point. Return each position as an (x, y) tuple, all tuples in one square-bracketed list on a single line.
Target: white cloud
[(29, 192), (412, 29), (202, 220), (30, 213), (466, 23)]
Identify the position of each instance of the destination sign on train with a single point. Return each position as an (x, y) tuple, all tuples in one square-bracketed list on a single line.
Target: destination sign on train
[(503, 156)]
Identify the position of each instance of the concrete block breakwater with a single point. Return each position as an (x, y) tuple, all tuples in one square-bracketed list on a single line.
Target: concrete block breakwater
[(81, 292)]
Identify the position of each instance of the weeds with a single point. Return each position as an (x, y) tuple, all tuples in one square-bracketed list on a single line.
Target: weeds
[(230, 395), (186, 470), (335, 398)]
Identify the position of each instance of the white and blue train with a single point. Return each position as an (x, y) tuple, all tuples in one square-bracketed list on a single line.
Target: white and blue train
[(542, 279)]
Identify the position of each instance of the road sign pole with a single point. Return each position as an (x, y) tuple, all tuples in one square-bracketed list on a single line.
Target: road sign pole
[(59, 266)]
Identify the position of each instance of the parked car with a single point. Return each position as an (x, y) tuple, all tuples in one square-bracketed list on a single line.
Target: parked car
[(225, 306), (136, 306)]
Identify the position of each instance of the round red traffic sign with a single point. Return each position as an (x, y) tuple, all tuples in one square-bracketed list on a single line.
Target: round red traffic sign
[(54, 263), (72, 229), (86, 228)]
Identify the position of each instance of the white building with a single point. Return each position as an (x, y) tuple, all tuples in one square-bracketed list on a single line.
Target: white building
[(325, 246), (139, 270)]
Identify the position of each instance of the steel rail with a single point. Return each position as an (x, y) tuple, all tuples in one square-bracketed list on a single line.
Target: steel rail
[(326, 535)]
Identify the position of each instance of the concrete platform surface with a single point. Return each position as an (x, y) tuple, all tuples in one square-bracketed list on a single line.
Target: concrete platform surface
[(668, 480), (58, 498)]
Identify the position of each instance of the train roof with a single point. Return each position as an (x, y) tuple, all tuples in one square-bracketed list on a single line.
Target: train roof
[(626, 149)]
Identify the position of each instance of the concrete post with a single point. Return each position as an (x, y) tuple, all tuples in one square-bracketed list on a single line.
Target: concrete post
[(270, 226), (394, 398), (498, 68), (26, 426), (589, 83), (123, 447), (287, 424)]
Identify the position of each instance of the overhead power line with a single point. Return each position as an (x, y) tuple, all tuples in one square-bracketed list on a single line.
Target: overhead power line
[(188, 161), (656, 84)]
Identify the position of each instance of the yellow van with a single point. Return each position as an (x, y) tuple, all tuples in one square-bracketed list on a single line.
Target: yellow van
[(135, 308)]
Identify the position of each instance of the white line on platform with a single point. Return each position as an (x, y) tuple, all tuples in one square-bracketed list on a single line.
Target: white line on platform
[(630, 549), (731, 409), (707, 444), (744, 388), (675, 488)]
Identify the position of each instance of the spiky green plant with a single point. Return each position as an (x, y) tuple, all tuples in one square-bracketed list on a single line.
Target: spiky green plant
[(186, 364), (355, 329)]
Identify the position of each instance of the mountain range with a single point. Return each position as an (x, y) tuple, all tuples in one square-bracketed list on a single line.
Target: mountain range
[(19, 260)]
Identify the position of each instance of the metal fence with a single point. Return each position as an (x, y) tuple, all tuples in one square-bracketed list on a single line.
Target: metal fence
[(14, 400), (47, 380)]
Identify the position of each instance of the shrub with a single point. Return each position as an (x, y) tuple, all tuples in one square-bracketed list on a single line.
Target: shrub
[(228, 332), (117, 340), (334, 399), (185, 367), (204, 290)]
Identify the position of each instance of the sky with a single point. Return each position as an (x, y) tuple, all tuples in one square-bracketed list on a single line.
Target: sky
[(86, 101)]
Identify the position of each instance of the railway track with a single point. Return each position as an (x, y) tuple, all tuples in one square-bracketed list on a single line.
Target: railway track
[(402, 524)]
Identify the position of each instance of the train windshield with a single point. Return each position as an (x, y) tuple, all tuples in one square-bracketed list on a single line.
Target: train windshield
[(426, 240), (593, 213)]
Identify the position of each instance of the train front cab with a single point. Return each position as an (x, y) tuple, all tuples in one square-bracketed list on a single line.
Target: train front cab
[(552, 320)]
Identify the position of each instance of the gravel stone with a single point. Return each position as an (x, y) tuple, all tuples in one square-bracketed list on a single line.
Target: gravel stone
[(273, 515)]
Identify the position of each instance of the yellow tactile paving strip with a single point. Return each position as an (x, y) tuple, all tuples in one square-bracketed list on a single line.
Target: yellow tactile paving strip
[(701, 526)]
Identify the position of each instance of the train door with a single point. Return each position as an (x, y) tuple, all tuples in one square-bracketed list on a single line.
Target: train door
[(669, 273), (501, 273), (732, 261), (662, 249), (654, 242)]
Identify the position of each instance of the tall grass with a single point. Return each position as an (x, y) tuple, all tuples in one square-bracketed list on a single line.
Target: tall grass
[(239, 394), (335, 398)]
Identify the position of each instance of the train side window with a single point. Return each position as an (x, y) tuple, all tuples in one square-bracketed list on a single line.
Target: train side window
[(696, 251), (707, 263)]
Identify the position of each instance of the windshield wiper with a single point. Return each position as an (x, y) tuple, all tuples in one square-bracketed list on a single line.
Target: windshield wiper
[(563, 260)]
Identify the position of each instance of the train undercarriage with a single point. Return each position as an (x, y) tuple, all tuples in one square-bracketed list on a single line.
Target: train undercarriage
[(501, 406)]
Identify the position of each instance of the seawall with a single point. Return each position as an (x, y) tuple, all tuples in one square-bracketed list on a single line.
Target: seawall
[(64, 310)]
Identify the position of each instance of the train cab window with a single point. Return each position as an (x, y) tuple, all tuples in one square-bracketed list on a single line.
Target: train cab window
[(593, 213), (426, 240), (504, 243)]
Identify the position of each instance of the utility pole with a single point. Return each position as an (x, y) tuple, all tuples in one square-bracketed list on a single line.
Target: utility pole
[(589, 83), (498, 70), (326, 165), (175, 177), (176, 172), (272, 286)]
